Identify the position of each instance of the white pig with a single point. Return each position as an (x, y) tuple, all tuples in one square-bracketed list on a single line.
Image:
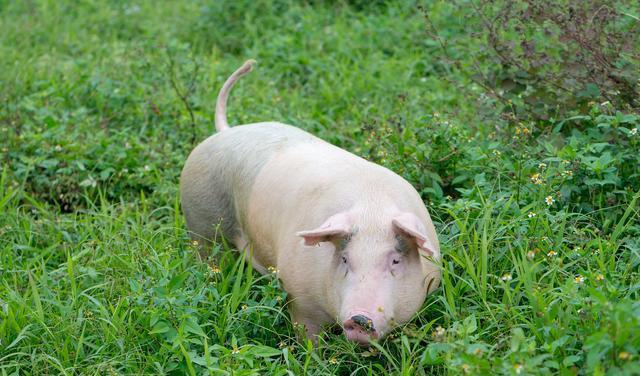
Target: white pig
[(353, 241)]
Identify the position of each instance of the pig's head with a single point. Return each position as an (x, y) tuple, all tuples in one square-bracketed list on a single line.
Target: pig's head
[(382, 270)]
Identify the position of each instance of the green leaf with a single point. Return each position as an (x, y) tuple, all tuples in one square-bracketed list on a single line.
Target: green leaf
[(160, 327), (177, 281)]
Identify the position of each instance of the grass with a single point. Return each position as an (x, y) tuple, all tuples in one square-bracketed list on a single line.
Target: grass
[(102, 101)]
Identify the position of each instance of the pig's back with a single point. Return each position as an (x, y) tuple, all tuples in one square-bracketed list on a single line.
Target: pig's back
[(221, 170)]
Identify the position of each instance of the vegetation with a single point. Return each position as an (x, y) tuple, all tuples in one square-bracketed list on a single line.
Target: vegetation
[(516, 121)]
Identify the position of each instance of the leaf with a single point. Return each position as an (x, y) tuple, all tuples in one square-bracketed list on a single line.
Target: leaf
[(177, 281), (192, 326), (571, 360), (265, 351), (160, 327)]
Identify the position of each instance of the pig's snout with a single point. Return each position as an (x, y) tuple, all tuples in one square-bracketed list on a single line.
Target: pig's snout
[(359, 328)]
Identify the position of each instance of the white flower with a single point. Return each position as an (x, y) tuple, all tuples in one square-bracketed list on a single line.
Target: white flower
[(506, 277), (518, 368), (634, 131), (531, 214), (549, 200)]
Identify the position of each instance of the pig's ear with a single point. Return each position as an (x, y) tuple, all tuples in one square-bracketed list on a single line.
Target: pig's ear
[(334, 229), (411, 228)]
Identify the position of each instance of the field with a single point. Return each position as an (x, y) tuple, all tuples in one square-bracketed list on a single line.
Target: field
[(532, 182)]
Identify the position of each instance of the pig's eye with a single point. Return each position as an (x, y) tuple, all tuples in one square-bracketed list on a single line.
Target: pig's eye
[(395, 262), (344, 259)]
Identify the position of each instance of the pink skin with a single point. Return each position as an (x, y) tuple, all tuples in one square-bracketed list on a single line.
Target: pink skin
[(369, 280)]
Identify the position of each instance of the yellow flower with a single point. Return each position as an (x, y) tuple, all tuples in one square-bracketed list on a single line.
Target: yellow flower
[(244, 306), (506, 277), (579, 279), (438, 334), (535, 178), (599, 277), (272, 270), (549, 200), (624, 355), (333, 360), (552, 254), (235, 350), (214, 269)]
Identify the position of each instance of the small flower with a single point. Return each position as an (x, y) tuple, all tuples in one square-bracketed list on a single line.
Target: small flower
[(466, 368), (599, 278), (147, 168), (439, 333), (58, 148), (531, 255), (518, 368), (552, 254), (549, 200), (244, 307), (634, 131), (496, 152), (195, 243), (333, 360), (567, 173), (531, 214), (535, 179), (506, 277), (579, 279), (624, 355), (542, 166), (272, 270), (214, 269), (235, 350)]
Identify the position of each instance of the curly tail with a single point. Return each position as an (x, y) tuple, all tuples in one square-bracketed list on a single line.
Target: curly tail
[(221, 103)]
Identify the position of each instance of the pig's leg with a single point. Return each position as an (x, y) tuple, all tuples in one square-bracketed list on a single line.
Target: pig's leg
[(242, 244), (311, 328), (305, 313)]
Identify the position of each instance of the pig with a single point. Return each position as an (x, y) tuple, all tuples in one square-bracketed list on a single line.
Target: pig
[(352, 241)]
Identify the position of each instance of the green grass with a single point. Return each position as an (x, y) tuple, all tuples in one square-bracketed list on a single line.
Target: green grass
[(97, 275)]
